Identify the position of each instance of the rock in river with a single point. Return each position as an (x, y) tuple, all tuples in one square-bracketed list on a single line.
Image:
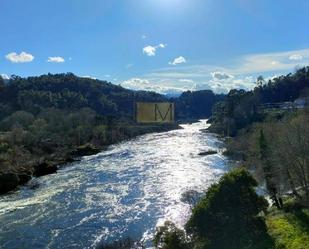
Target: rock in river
[(8, 181), (45, 169), (208, 153)]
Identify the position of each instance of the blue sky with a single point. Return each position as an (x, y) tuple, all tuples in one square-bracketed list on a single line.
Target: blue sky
[(163, 45)]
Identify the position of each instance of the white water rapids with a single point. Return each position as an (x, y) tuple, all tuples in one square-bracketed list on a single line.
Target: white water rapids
[(126, 190)]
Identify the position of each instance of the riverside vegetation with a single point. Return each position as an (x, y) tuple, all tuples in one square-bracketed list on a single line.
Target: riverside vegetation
[(271, 143), (49, 120)]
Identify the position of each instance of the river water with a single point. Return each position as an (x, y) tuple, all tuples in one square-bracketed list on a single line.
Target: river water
[(124, 191)]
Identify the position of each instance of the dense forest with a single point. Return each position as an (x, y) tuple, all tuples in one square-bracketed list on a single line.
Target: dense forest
[(197, 104), (69, 92), (48, 120)]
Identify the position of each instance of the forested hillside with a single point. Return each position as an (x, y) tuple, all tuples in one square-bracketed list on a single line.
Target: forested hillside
[(196, 104), (69, 92)]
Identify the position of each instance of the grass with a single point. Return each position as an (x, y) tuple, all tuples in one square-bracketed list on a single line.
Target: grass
[(289, 230)]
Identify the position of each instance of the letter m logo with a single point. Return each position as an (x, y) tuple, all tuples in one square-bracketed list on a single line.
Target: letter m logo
[(155, 112)]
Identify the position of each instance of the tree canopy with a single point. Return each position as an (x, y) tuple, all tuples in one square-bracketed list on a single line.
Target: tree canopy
[(227, 217)]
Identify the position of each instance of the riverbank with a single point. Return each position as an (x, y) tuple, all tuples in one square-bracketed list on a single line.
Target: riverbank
[(40, 165), (275, 151)]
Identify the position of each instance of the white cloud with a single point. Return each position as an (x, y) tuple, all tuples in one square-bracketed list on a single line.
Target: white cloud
[(296, 57), (225, 85), (107, 76), (178, 60), (135, 83), (271, 62), (56, 59), (149, 50), (221, 76), (89, 77), (152, 50), (144, 37), (4, 76), (141, 84), (186, 81), (23, 57)]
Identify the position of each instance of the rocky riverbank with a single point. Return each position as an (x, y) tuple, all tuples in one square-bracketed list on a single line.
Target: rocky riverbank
[(13, 177)]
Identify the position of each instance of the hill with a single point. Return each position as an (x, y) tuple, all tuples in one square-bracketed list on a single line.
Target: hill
[(69, 92), (196, 104)]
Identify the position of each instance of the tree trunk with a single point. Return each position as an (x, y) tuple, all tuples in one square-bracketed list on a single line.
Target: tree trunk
[(291, 182)]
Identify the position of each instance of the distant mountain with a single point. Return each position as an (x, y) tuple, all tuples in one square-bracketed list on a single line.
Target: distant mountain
[(196, 104), (172, 95)]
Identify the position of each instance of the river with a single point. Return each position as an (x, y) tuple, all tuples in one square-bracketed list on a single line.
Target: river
[(126, 190)]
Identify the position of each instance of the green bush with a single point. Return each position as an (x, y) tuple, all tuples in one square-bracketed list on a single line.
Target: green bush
[(288, 231), (171, 237), (228, 217)]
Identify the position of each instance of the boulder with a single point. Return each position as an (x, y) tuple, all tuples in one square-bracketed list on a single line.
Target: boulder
[(85, 150), (191, 197), (24, 177), (8, 182), (210, 120), (45, 169), (208, 153), (34, 185), (69, 159)]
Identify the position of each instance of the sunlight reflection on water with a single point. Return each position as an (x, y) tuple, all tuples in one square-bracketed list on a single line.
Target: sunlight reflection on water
[(124, 191)]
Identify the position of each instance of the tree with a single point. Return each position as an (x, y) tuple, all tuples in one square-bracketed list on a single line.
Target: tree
[(292, 152), (227, 217), (2, 85), (265, 157), (260, 81), (22, 118), (170, 237)]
